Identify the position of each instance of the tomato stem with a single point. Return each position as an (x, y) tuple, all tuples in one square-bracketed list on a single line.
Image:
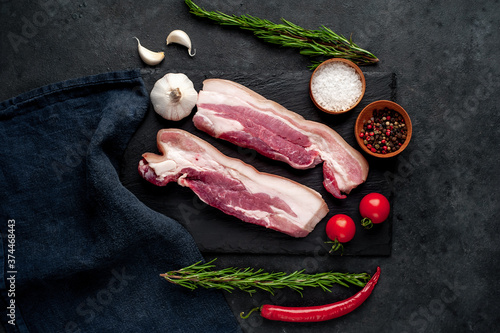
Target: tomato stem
[(336, 246), (367, 223)]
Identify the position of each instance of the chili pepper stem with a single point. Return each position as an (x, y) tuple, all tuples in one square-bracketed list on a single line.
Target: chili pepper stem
[(367, 223), (249, 313), (336, 246)]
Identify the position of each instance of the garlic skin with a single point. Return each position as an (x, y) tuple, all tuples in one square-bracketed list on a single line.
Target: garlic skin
[(173, 96), (148, 56), (182, 38)]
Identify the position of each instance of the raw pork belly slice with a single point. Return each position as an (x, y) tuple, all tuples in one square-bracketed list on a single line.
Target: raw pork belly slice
[(232, 112), (233, 186)]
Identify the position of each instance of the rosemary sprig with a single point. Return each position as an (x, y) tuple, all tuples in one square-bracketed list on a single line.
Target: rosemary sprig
[(203, 275), (320, 42)]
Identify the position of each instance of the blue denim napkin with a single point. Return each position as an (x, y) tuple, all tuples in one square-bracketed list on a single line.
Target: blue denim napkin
[(80, 252)]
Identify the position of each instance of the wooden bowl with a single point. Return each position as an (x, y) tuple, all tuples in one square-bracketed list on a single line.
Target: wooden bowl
[(326, 63), (367, 113)]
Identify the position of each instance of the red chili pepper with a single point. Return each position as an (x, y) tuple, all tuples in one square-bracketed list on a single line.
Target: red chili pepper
[(321, 312)]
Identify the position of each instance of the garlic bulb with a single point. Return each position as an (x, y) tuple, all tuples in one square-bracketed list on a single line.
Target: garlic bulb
[(173, 96), (148, 56), (182, 38)]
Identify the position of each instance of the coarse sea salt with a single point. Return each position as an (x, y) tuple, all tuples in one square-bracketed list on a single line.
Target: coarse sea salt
[(336, 86)]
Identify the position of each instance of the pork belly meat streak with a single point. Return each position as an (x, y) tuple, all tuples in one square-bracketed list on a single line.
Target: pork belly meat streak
[(232, 112), (233, 186)]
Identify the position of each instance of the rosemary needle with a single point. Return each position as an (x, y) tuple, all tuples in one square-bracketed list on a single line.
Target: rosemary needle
[(320, 42), (203, 275)]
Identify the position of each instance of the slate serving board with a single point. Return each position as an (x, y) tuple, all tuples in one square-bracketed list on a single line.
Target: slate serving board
[(217, 232)]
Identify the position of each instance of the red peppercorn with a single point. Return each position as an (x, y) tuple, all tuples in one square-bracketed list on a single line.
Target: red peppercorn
[(383, 141), (369, 126), (388, 133), (361, 135), (388, 117), (373, 150), (372, 134)]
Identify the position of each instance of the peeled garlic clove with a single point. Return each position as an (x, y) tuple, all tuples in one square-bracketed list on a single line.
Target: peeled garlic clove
[(173, 96), (148, 56), (180, 37)]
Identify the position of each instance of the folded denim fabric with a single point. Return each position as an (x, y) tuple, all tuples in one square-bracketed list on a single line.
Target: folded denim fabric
[(80, 252)]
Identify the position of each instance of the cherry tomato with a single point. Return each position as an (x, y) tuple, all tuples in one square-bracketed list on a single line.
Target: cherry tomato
[(340, 229), (374, 208)]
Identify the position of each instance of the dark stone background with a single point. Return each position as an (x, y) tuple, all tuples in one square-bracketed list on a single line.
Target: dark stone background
[(442, 273)]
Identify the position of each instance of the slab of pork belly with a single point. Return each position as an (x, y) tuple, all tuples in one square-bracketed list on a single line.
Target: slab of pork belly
[(232, 112), (233, 186)]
